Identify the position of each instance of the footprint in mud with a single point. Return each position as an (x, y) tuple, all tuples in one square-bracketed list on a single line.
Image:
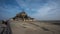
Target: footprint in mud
[(45, 29), (24, 27), (35, 24)]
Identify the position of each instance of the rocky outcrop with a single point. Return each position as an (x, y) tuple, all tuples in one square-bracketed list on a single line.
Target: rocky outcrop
[(5, 27)]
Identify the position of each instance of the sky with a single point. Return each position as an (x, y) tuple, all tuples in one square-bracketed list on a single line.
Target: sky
[(38, 9)]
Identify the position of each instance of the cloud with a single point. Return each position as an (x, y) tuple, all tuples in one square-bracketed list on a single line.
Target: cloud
[(50, 11), (31, 3), (39, 9), (8, 10), (42, 9)]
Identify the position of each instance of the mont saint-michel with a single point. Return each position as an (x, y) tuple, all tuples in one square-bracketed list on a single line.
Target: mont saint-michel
[(24, 24)]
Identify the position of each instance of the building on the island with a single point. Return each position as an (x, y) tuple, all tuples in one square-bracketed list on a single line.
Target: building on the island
[(23, 16)]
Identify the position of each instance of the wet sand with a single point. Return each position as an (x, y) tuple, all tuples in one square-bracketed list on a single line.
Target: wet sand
[(20, 27)]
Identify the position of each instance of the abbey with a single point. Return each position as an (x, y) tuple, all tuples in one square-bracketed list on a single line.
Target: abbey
[(23, 16)]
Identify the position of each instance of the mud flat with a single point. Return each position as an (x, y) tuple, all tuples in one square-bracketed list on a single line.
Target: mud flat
[(20, 27)]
